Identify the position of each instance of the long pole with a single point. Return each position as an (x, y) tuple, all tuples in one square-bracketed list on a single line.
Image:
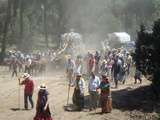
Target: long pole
[(68, 91), (19, 94)]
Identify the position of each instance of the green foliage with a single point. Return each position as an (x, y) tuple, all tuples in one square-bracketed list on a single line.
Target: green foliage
[(148, 52), (157, 6)]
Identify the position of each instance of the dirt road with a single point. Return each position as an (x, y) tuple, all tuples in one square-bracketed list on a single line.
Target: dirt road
[(124, 103)]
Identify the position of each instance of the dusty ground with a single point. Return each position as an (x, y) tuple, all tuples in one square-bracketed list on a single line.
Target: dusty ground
[(130, 102)]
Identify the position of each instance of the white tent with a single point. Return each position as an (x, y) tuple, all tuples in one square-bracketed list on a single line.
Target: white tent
[(122, 37)]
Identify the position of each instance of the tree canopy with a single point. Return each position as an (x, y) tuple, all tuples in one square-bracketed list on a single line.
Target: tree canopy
[(148, 54), (30, 24)]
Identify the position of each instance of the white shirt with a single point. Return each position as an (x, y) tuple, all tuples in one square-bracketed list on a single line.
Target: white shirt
[(81, 85), (29, 62), (78, 68), (94, 83)]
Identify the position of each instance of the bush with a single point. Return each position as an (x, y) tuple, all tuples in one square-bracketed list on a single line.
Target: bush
[(148, 53)]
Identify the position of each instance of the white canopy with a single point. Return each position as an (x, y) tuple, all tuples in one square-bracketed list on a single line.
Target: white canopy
[(122, 37)]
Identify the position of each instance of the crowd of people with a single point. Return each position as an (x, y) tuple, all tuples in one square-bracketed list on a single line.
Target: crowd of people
[(31, 63), (101, 72), (115, 63)]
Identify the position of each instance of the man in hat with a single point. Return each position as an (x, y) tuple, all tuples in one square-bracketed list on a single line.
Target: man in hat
[(78, 95), (28, 90)]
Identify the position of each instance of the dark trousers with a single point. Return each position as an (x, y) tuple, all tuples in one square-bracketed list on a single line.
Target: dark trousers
[(116, 78), (14, 73), (128, 69), (78, 99), (27, 70), (26, 97), (137, 78)]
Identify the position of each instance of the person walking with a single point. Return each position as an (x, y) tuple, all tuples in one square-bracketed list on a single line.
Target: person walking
[(78, 65), (28, 65), (92, 64), (104, 67), (28, 90), (97, 59), (94, 83), (116, 70), (70, 69), (129, 63), (42, 106), (14, 67)]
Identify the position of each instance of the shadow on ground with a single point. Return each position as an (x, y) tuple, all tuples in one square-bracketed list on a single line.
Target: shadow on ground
[(140, 99), (136, 102), (72, 107), (19, 109)]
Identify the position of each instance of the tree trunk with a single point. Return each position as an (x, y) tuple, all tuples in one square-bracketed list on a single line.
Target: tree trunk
[(5, 31), (61, 22), (15, 7), (21, 26), (45, 23)]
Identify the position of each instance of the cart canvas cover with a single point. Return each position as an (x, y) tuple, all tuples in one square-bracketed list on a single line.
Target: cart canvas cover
[(121, 37)]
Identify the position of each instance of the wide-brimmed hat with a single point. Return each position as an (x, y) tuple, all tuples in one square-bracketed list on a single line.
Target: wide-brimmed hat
[(104, 75), (68, 56), (26, 75), (78, 74), (104, 61), (42, 87)]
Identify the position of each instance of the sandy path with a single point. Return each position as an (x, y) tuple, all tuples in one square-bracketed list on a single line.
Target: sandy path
[(57, 87)]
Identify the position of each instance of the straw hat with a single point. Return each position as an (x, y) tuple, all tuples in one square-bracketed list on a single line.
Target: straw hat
[(68, 56), (104, 61), (26, 75), (42, 87), (104, 75), (78, 74)]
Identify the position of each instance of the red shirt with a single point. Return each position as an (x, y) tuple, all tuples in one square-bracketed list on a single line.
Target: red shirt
[(29, 86)]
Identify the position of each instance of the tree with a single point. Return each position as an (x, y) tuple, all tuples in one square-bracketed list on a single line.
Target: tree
[(21, 42), (157, 7), (148, 54), (5, 31), (44, 11), (132, 13)]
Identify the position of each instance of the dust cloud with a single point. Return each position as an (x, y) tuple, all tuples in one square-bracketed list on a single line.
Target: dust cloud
[(91, 18)]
